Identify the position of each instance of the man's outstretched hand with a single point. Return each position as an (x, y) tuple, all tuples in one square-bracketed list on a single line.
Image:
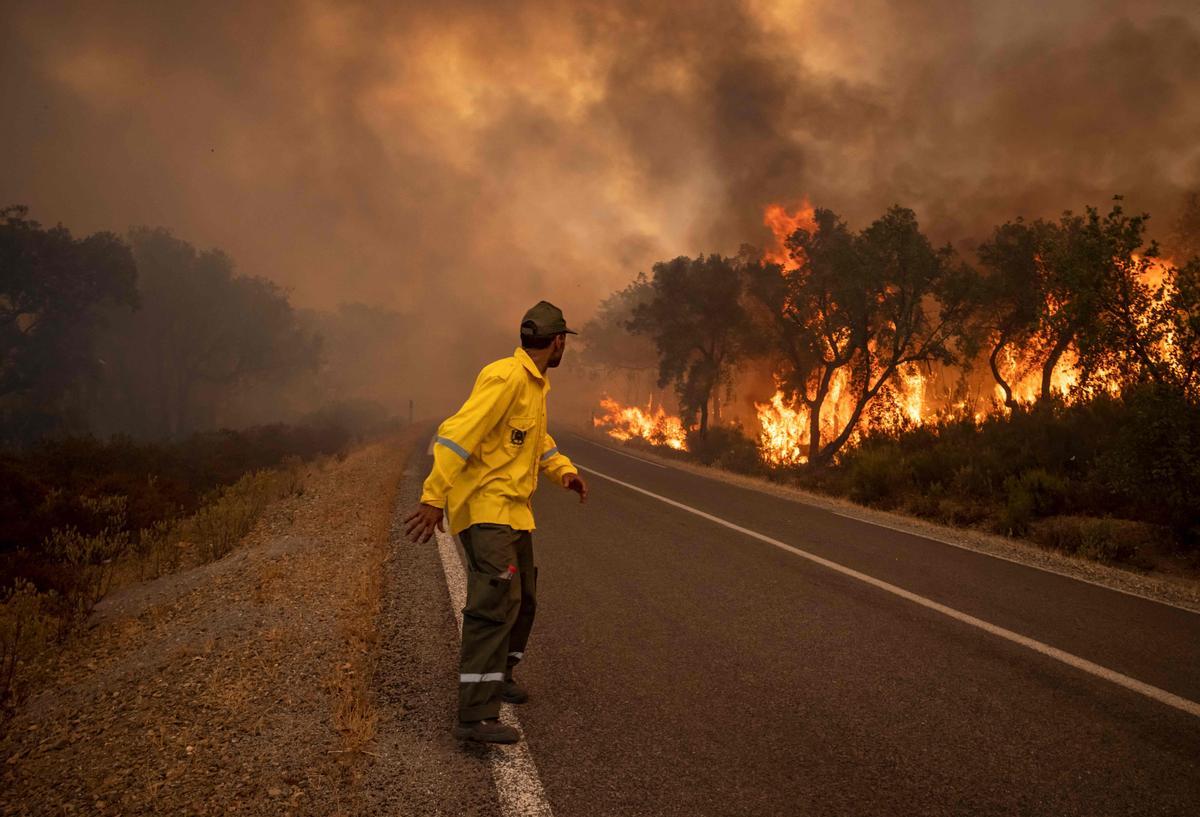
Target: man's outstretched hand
[(574, 482), (421, 523)]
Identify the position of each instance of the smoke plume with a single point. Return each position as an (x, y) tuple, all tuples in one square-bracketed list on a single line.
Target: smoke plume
[(458, 161)]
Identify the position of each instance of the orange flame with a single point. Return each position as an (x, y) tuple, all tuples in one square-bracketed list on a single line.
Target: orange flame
[(909, 399), (783, 434), (626, 422), (1022, 370), (782, 225), (784, 425)]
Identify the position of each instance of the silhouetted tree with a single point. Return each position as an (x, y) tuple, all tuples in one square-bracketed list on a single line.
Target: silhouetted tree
[(608, 343), (867, 303), (1088, 282), (699, 325), (1185, 231), (54, 289), (1181, 318), (1012, 292), (201, 331)]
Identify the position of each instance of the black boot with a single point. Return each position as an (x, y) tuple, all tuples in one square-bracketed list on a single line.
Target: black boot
[(512, 692), (489, 730)]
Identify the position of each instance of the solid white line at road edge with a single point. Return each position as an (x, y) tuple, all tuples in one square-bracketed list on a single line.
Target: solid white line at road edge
[(1152, 692), (517, 783), (928, 535)]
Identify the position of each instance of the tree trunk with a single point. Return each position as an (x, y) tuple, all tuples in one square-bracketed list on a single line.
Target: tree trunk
[(814, 431), (1056, 353), (1009, 400), (864, 397), (814, 414), (703, 419)]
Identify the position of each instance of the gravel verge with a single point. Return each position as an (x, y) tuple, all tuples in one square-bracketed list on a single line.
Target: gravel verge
[(249, 685), (421, 768)]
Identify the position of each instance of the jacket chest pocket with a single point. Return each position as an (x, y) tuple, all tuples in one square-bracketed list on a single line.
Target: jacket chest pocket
[(519, 433)]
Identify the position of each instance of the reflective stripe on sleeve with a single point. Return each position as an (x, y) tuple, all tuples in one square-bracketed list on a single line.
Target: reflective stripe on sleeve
[(550, 453), (455, 447), (476, 678), (516, 655)]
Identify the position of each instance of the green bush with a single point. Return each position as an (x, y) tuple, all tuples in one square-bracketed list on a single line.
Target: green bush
[(970, 480), (1017, 512), (956, 511)]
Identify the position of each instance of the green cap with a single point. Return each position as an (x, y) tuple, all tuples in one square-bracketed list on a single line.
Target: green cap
[(542, 319)]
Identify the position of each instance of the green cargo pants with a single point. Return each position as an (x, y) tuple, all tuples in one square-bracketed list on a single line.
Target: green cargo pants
[(498, 616)]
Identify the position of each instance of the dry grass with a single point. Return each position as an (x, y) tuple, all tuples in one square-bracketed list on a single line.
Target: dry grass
[(355, 716), (32, 622), (232, 510), (241, 685)]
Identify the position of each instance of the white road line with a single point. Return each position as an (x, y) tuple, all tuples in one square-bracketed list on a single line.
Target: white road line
[(615, 451), (899, 529), (1152, 692), (516, 776)]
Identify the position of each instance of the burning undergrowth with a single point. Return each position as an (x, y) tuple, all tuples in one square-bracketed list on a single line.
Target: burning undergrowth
[(630, 422)]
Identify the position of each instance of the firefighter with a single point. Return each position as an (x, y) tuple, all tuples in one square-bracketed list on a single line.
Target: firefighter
[(486, 460)]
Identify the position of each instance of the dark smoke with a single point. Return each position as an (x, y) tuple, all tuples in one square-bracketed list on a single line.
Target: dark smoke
[(460, 161)]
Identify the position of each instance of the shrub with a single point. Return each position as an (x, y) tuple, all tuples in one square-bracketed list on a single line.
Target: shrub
[(1107, 540), (1016, 513), (970, 480), (27, 624), (925, 503), (232, 511), (876, 477), (726, 447), (957, 511), (1153, 458)]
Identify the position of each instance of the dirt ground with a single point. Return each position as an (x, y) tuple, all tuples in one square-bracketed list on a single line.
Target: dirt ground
[(311, 671)]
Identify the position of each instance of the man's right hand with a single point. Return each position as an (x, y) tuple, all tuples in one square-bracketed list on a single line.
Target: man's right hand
[(421, 523)]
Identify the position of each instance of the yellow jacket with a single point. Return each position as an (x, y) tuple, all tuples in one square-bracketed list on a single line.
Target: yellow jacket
[(486, 457)]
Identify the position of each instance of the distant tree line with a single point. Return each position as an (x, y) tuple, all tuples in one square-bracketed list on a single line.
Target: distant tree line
[(145, 335), (860, 306)]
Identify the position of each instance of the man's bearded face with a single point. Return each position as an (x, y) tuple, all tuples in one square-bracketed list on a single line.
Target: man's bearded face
[(560, 346)]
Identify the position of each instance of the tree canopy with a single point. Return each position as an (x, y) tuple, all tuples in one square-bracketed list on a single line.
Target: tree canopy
[(55, 293), (202, 330), (695, 315), (859, 306)]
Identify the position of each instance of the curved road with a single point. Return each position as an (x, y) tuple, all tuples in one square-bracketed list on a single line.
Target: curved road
[(678, 666)]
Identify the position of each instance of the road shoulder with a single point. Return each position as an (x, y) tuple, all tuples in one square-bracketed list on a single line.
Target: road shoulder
[(420, 768)]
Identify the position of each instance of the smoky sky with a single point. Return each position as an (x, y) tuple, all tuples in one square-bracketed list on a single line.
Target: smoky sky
[(458, 161)]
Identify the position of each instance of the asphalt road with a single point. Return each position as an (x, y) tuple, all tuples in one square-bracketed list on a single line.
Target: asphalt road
[(679, 667)]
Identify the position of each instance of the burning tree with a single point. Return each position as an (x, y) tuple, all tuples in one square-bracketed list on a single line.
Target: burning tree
[(854, 311), (699, 325), (1084, 302), (1012, 294), (1183, 328)]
